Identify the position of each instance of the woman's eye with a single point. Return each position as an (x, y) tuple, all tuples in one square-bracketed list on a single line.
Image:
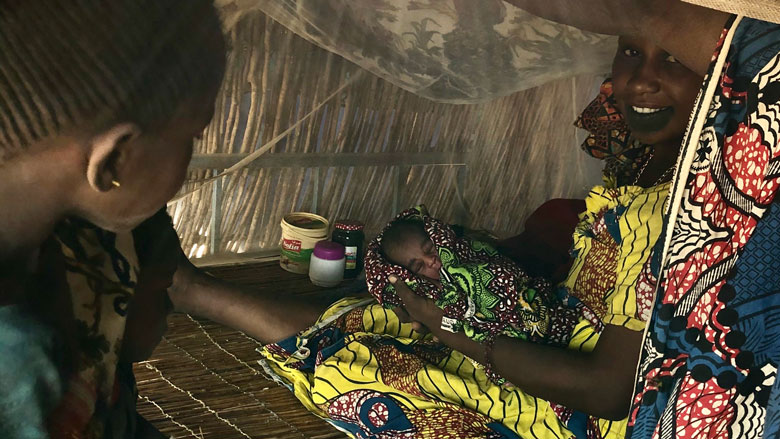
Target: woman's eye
[(631, 53), (416, 267)]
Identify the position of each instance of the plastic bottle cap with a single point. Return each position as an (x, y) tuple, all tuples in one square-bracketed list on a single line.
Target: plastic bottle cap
[(329, 250)]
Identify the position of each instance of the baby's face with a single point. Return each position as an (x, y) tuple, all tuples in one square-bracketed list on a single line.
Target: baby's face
[(419, 255)]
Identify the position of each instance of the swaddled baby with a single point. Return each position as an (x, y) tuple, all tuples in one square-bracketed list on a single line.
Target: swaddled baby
[(481, 292)]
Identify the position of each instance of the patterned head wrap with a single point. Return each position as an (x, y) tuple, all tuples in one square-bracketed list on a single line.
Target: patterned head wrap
[(610, 138)]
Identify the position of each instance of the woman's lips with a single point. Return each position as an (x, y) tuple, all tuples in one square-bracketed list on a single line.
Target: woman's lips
[(648, 119)]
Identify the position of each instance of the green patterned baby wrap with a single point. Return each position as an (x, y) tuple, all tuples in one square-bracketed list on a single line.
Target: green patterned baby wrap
[(482, 293)]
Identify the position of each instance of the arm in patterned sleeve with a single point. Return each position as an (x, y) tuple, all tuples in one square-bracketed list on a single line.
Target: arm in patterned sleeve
[(592, 382)]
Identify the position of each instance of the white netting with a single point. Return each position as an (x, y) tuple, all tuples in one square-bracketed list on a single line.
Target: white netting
[(454, 51)]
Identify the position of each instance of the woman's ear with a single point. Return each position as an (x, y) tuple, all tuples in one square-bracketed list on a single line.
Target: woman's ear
[(106, 153)]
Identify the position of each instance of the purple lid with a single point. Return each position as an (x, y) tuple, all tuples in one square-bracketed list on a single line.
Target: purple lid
[(329, 250)]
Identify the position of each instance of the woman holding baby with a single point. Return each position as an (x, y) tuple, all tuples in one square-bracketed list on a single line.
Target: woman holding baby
[(637, 124)]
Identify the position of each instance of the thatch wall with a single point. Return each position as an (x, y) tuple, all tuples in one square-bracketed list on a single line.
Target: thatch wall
[(368, 150)]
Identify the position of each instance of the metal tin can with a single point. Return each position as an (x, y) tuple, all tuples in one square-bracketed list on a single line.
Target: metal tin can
[(300, 232)]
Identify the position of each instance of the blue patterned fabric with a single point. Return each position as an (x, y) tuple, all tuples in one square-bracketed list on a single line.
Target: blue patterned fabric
[(710, 357), (756, 290)]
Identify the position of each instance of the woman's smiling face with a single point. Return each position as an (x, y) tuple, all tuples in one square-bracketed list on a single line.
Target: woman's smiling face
[(653, 90)]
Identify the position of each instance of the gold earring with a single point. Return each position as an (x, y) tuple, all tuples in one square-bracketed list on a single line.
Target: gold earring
[(115, 183)]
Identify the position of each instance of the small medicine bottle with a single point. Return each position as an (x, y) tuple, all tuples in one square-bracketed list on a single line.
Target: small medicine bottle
[(349, 233)]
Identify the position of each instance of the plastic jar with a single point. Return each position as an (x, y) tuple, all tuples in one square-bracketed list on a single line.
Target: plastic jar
[(300, 231), (326, 268), (349, 233)]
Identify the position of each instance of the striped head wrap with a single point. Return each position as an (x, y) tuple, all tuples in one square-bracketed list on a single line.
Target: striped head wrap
[(86, 63)]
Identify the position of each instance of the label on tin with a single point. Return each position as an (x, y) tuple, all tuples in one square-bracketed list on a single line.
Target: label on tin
[(350, 258), (293, 258), (301, 257), (291, 245), (296, 262)]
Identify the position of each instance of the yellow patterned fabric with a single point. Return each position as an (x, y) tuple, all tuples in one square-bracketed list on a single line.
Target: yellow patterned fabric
[(612, 245), (368, 374)]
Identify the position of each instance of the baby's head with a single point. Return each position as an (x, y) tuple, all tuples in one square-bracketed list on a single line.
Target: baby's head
[(406, 243)]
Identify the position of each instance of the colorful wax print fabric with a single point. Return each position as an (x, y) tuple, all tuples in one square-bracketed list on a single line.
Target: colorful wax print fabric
[(610, 139), (482, 293), (372, 376), (101, 269), (73, 330), (339, 357), (610, 275), (612, 246), (710, 356)]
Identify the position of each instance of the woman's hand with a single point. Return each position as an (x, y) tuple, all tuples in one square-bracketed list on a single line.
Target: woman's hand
[(599, 383), (426, 317), (423, 313), (263, 315)]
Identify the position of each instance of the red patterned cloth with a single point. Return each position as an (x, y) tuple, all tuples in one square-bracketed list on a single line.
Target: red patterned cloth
[(610, 139)]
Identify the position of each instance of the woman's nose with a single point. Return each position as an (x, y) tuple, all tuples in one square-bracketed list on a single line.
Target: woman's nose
[(644, 79), (431, 260)]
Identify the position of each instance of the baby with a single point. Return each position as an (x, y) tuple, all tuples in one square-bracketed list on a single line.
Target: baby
[(481, 292), (406, 243)]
